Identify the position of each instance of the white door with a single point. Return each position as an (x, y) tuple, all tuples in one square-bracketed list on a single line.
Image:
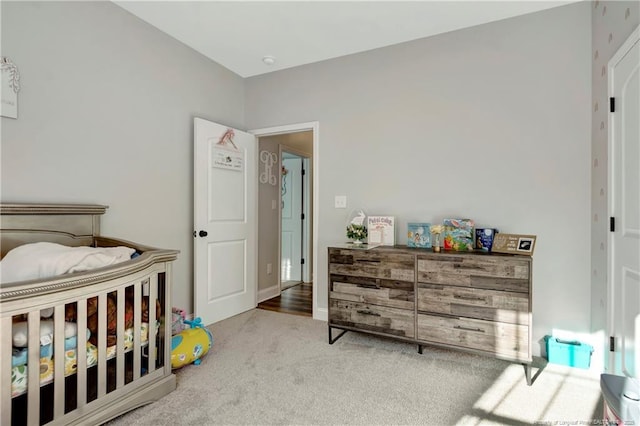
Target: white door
[(624, 154), (225, 205), (291, 252)]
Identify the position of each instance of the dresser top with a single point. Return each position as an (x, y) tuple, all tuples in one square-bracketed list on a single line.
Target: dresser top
[(423, 251)]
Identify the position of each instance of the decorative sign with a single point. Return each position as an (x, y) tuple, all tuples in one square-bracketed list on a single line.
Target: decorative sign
[(226, 159), (381, 230), (10, 88), (226, 155), (514, 244)]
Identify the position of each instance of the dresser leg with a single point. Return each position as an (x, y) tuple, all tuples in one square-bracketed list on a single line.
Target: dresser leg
[(527, 373), (420, 349), (331, 339)]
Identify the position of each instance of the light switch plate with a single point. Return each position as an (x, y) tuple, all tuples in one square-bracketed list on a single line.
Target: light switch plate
[(341, 202)]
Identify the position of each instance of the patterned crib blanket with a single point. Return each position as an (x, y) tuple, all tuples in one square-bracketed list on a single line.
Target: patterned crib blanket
[(19, 373)]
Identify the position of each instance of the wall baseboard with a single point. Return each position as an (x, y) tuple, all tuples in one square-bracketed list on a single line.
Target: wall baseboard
[(268, 293), (321, 314)]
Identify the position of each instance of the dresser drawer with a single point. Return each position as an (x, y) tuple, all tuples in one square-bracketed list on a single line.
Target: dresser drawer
[(364, 316), (489, 272), (502, 306), (369, 263), (399, 294), (506, 340)]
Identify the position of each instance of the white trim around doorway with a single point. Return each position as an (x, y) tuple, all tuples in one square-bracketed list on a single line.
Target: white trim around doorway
[(314, 126)]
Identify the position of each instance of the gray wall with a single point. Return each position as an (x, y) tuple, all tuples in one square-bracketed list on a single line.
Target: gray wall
[(105, 116), (612, 23), (491, 123), (268, 239)]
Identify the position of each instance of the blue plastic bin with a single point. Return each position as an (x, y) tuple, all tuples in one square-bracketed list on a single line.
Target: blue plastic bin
[(568, 352)]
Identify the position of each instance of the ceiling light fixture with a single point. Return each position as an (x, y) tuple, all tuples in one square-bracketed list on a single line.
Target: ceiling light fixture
[(269, 60)]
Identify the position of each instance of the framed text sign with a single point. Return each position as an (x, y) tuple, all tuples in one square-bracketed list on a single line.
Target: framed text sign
[(224, 158), (225, 153), (514, 244)]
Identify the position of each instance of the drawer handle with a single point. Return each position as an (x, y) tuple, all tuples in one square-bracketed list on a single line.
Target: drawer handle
[(368, 260), (365, 312), (457, 296), (369, 286), (459, 327)]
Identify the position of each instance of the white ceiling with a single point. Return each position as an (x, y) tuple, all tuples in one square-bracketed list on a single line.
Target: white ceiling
[(238, 34)]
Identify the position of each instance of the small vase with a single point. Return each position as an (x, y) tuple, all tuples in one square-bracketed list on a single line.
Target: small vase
[(436, 243), (356, 242)]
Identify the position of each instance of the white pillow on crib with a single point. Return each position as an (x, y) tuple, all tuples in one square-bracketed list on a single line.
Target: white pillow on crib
[(44, 260), (21, 332)]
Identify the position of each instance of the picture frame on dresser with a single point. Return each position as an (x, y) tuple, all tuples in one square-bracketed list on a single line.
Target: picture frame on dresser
[(469, 301), (514, 244)]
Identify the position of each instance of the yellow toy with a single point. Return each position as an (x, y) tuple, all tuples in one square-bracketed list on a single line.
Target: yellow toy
[(191, 344)]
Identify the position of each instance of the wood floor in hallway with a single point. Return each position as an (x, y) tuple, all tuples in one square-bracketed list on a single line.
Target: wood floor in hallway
[(295, 300)]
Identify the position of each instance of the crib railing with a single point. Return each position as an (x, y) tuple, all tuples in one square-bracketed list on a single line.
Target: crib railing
[(105, 376)]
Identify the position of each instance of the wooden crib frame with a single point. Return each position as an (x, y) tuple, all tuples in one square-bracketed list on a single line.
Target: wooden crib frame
[(131, 378)]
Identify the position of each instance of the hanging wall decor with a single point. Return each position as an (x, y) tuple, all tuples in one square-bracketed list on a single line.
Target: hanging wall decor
[(10, 88), (285, 172), (226, 154), (269, 159)]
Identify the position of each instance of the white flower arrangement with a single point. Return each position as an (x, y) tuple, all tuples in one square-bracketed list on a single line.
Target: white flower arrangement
[(356, 232), (437, 229)]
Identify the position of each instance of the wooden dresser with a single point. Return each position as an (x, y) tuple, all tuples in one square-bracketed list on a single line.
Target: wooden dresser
[(476, 302)]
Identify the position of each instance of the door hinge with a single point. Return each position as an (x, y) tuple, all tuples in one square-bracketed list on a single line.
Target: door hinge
[(612, 224), (612, 344), (612, 104), (302, 216), (302, 261), (194, 234)]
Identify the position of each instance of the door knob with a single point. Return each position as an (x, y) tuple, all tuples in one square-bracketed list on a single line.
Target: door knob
[(203, 233)]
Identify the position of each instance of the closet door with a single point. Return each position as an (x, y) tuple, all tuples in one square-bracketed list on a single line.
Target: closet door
[(624, 157)]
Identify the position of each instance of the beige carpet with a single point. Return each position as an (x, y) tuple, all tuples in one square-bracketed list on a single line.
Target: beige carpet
[(272, 368)]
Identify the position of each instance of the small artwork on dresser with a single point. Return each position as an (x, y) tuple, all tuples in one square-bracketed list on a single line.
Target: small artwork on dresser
[(514, 244), (525, 244)]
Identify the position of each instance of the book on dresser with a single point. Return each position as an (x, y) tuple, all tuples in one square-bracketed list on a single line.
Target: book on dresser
[(470, 301), (419, 235)]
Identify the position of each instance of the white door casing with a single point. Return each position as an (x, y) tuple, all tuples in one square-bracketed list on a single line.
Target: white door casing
[(291, 232), (624, 206), (225, 221), (319, 313)]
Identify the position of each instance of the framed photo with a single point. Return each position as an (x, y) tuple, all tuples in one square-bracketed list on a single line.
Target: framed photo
[(525, 244), (514, 244)]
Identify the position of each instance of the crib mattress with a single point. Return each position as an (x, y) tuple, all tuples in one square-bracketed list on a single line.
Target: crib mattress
[(19, 373)]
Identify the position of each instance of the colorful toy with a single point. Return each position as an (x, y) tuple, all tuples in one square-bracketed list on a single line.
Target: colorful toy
[(191, 344)]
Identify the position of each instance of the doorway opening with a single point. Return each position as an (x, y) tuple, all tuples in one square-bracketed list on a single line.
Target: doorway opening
[(293, 300), (294, 218), (287, 239)]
